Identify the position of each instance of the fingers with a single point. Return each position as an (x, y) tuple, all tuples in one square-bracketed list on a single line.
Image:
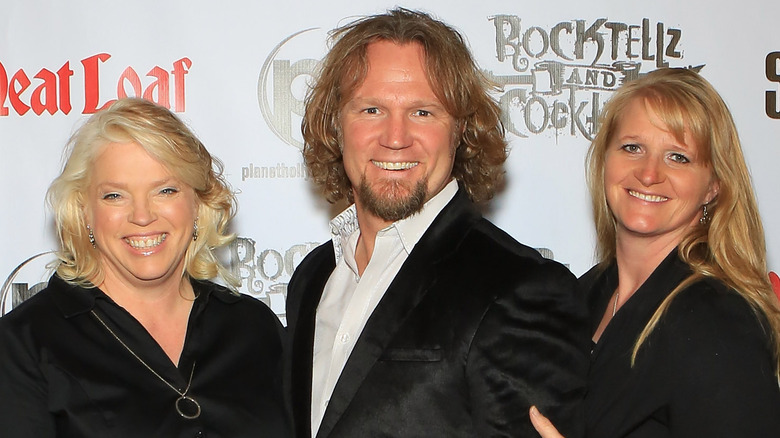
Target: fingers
[(542, 425)]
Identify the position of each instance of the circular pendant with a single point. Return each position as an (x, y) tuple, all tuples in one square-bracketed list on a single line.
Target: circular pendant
[(187, 407)]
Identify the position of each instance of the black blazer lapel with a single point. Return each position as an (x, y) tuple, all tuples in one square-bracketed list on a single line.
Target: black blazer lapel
[(304, 293), (417, 276)]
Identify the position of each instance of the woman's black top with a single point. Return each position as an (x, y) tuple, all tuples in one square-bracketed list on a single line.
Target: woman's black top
[(706, 371), (62, 374)]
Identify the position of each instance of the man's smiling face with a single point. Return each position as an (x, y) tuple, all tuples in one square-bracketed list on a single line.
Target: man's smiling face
[(398, 139)]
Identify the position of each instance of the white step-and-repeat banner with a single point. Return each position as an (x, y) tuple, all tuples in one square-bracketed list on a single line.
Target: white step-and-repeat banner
[(237, 72)]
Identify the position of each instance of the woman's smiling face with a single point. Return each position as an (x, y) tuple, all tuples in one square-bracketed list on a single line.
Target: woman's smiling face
[(141, 215), (655, 183)]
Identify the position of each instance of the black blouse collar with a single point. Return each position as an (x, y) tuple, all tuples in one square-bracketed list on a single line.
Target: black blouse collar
[(642, 304)]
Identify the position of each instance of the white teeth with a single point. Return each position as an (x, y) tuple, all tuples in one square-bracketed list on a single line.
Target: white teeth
[(648, 198), (389, 165), (146, 243)]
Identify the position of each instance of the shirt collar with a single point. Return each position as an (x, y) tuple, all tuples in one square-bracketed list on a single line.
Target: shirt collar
[(345, 228), (72, 299)]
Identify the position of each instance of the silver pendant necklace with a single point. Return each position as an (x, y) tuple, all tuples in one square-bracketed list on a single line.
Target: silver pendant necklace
[(185, 405)]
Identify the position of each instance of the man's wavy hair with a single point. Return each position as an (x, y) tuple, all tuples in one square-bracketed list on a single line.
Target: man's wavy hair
[(729, 246), (166, 138), (454, 77)]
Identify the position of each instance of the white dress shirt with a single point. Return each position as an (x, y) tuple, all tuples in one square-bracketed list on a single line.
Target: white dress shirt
[(349, 299)]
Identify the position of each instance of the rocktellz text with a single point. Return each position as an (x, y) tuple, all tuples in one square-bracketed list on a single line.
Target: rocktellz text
[(558, 73), (51, 91)]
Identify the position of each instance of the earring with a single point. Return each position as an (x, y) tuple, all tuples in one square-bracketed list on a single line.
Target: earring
[(195, 231), (91, 237), (704, 217)]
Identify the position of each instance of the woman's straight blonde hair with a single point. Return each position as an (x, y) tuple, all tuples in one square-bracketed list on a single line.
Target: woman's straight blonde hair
[(730, 246)]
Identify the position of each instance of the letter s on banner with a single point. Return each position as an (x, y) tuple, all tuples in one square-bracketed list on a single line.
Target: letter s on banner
[(773, 74)]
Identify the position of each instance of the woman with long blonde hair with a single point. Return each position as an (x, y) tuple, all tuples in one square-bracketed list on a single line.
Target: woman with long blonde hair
[(686, 327)]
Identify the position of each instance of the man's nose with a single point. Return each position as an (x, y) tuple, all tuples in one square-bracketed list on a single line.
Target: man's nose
[(397, 133)]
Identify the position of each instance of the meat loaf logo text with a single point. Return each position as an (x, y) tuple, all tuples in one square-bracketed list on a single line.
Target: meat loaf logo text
[(773, 74), (557, 75), (52, 91)]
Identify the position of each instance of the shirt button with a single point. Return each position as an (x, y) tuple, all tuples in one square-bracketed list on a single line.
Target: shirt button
[(200, 434), (345, 338)]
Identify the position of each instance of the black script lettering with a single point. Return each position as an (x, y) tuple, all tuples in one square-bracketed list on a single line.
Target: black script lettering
[(773, 75)]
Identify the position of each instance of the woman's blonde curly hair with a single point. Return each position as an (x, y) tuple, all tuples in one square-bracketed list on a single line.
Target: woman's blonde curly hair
[(165, 137)]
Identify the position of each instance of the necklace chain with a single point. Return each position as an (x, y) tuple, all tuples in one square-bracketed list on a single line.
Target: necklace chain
[(614, 306), (183, 397)]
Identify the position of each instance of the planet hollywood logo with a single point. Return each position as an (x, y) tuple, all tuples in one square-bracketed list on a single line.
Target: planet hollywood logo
[(557, 78), (284, 80)]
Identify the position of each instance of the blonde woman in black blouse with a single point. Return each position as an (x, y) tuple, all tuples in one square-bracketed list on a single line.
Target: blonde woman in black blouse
[(129, 339), (685, 324)]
